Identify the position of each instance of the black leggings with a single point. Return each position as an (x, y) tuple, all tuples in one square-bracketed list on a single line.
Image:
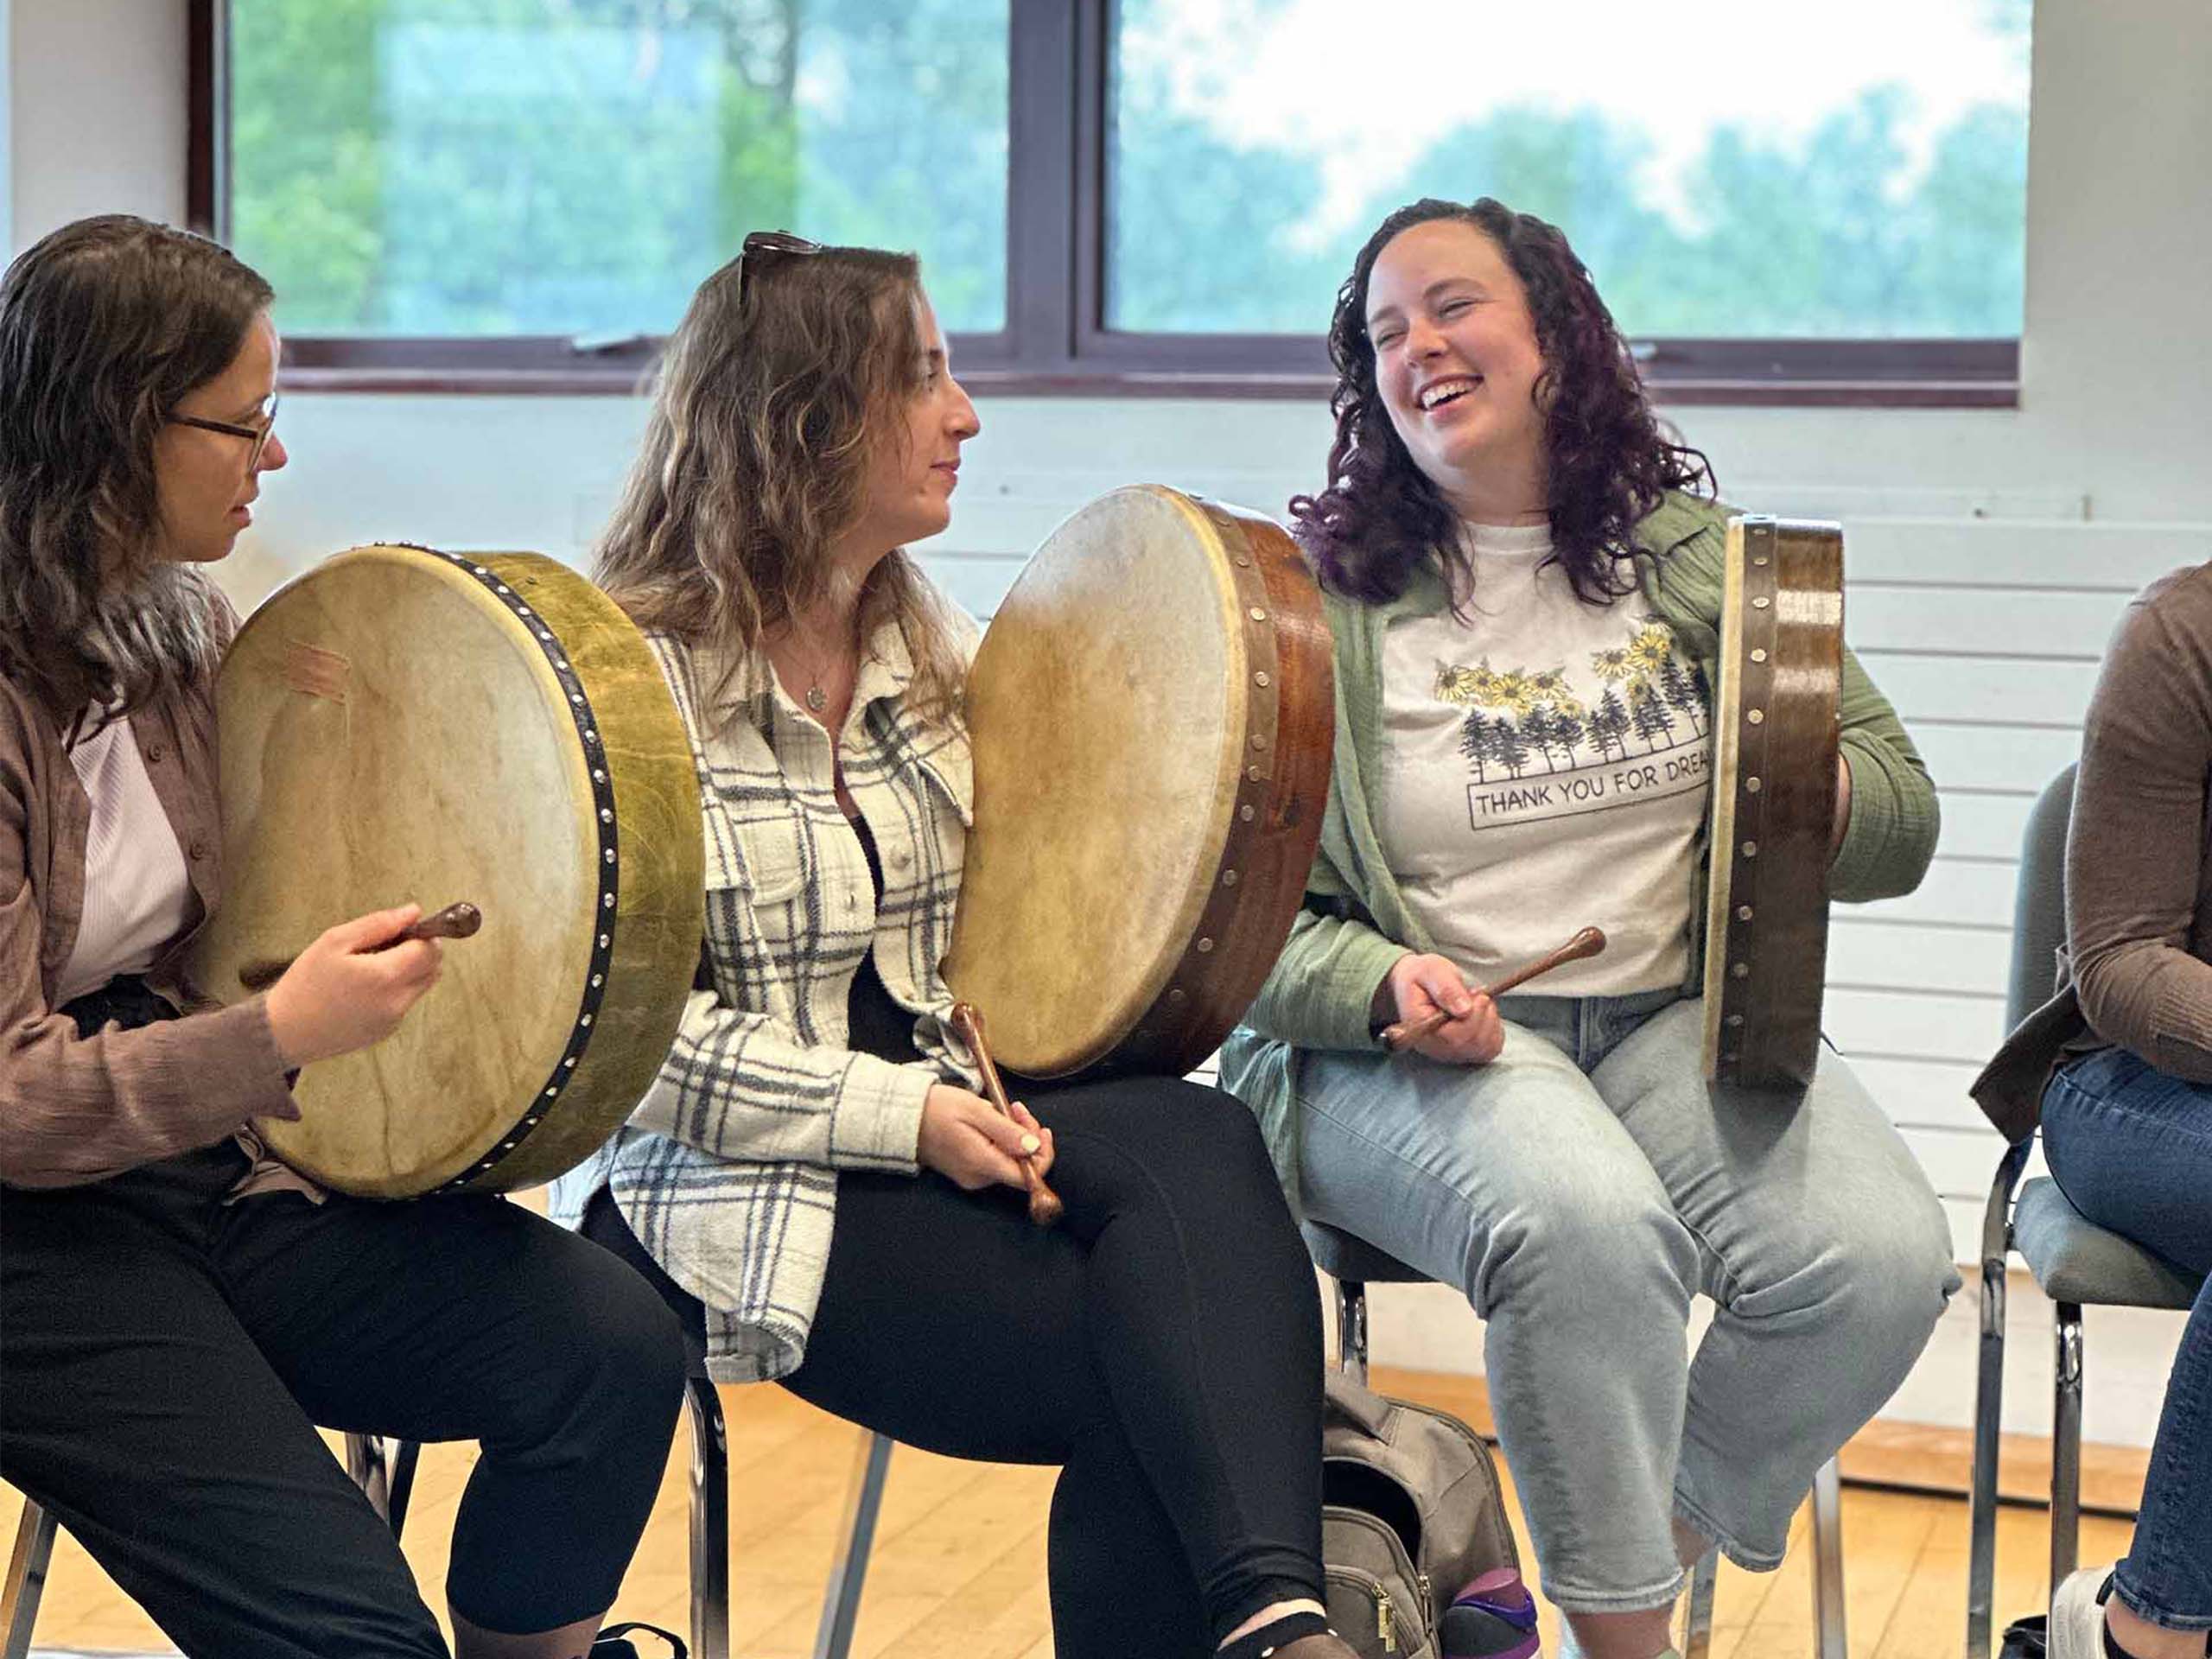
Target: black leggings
[(167, 1357), (1163, 1344)]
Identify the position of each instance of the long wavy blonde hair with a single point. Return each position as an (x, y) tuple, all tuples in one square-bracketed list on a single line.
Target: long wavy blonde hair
[(105, 326), (785, 372)]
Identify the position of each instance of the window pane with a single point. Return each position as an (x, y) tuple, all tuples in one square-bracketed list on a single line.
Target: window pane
[(575, 167), (1726, 167)]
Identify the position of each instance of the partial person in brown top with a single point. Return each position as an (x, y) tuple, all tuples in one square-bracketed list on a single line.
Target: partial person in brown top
[(180, 1314), (2137, 967), (2117, 1069)]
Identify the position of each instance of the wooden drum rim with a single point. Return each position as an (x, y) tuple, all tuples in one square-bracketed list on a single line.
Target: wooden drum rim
[(1276, 826), (1776, 731)]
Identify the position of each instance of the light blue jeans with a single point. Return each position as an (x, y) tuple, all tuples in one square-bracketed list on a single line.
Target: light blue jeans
[(1580, 1190)]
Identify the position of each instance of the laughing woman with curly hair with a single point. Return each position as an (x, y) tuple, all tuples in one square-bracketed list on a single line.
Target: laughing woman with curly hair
[(1523, 576)]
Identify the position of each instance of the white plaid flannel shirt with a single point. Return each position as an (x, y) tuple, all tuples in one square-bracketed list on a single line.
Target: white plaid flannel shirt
[(727, 1170)]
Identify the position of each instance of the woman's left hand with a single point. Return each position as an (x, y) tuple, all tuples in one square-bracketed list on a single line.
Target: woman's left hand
[(965, 1140)]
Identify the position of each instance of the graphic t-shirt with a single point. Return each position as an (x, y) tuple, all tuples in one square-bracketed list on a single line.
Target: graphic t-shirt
[(1544, 767)]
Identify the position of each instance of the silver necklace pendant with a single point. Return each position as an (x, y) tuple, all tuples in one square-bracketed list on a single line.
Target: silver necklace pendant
[(816, 697)]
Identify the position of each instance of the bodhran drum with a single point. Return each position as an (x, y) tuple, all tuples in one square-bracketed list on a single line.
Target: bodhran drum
[(398, 725), (1774, 784), (1153, 714)]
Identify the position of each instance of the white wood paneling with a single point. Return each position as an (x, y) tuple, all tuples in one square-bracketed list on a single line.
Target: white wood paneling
[(1960, 1161), (1923, 1094), (1996, 689), (1992, 758), (1959, 891), (1916, 1024), (2078, 556), (2067, 626), (1984, 825), (1879, 955)]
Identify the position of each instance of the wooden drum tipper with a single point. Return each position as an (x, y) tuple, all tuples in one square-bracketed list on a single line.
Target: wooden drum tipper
[(1775, 733), (1152, 712), (400, 724)]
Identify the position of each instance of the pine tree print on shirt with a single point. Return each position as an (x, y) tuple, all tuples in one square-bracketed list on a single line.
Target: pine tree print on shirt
[(1652, 701)]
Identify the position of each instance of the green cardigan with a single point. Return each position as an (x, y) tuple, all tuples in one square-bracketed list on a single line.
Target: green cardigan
[(1339, 949)]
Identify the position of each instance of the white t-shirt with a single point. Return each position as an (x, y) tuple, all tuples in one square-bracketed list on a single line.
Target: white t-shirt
[(1544, 767), (137, 894)]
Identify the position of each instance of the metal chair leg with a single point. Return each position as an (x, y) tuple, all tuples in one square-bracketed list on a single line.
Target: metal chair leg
[(1988, 1404), (709, 1520), (1828, 1563), (1697, 1637), (840, 1607), (26, 1579), (1830, 1641), (402, 1482), (385, 1470), (2066, 1448), (366, 1462), (1351, 1329)]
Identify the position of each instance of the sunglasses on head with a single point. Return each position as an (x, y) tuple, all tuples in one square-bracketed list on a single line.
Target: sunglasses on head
[(759, 242)]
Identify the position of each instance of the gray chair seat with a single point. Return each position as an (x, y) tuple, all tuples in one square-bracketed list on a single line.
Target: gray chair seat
[(2076, 1260)]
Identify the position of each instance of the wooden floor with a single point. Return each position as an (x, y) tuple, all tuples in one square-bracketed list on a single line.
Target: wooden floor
[(959, 1571)]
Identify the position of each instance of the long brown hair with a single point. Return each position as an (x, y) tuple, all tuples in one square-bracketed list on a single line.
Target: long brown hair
[(784, 372), (105, 326)]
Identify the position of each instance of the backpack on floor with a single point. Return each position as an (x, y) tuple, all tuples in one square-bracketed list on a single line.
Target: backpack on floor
[(1410, 1512)]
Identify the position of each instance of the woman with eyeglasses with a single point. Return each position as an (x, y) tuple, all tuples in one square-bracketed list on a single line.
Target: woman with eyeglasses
[(180, 1312), (1522, 576), (814, 1181)]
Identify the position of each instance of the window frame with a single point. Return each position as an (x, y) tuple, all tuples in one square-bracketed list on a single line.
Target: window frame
[(1055, 341)]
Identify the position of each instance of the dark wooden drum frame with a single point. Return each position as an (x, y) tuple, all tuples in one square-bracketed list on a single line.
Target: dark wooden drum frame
[(1776, 739)]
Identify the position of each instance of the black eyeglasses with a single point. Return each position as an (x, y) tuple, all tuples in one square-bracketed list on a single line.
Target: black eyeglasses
[(759, 242), (256, 435)]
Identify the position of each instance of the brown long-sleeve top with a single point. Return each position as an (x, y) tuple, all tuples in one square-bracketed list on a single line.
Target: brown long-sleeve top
[(76, 1109), (2139, 871)]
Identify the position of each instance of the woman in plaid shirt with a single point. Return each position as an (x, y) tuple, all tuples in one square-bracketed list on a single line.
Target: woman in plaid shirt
[(812, 1181)]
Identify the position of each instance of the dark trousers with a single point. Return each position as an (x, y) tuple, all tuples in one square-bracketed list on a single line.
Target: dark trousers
[(164, 1359), (1162, 1344)]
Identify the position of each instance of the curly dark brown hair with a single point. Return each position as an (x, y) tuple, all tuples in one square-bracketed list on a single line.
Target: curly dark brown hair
[(1609, 458)]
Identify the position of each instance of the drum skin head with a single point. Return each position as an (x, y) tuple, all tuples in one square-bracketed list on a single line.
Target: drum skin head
[(396, 727), (1108, 705)]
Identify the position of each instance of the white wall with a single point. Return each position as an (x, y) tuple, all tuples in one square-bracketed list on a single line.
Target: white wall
[(7, 120), (1989, 548), (97, 112)]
